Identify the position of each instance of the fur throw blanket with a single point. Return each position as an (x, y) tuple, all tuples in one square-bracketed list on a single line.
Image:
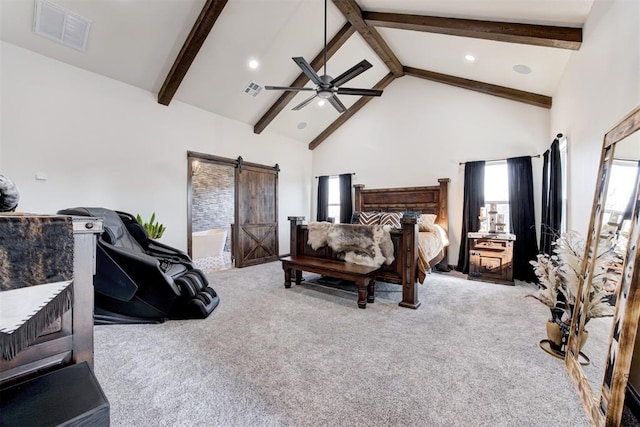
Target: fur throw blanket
[(35, 249), (358, 244)]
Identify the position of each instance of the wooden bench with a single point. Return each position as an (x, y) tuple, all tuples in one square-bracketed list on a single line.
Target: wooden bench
[(362, 275)]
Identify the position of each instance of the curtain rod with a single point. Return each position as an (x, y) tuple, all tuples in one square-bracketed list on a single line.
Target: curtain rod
[(498, 160), (558, 136), (338, 174)]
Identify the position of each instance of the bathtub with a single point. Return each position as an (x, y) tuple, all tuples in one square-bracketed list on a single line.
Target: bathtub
[(208, 243)]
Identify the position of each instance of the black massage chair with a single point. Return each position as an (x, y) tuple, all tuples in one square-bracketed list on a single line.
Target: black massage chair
[(139, 280)]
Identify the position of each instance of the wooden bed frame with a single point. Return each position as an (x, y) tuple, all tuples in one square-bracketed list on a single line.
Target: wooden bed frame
[(426, 200), (403, 271)]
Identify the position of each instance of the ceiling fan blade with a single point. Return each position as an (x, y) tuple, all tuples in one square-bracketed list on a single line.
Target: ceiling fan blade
[(337, 104), (352, 72), (304, 103), (308, 70), (361, 92), (288, 88)]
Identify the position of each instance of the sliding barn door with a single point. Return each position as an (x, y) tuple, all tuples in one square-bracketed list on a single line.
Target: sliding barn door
[(256, 223)]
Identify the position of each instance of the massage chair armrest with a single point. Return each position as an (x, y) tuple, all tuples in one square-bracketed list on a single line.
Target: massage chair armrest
[(111, 280), (139, 266), (162, 250)]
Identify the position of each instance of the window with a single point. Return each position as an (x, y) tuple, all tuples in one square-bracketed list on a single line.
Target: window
[(496, 189), (621, 183), (334, 198)]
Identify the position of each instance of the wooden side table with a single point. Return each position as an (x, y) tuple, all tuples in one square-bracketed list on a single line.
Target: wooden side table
[(491, 257)]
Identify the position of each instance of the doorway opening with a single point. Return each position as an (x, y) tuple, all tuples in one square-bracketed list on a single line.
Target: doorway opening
[(211, 211), (232, 212)]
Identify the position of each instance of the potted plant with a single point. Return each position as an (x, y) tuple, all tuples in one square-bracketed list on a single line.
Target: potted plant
[(154, 229), (558, 278)]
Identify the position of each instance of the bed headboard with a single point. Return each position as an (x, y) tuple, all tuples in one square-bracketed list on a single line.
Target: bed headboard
[(432, 200)]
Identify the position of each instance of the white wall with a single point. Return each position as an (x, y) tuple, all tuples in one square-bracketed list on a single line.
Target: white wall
[(102, 142), (105, 143), (419, 131), (600, 85)]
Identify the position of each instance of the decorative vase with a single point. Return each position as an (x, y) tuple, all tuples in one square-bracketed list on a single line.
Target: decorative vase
[(558, 336), (583, 338), (555, 335)]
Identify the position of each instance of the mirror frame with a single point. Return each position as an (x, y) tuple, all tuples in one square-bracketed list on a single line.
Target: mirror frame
[(607, 409)]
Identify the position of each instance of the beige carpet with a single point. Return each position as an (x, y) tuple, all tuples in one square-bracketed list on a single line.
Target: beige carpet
[(307, 356)]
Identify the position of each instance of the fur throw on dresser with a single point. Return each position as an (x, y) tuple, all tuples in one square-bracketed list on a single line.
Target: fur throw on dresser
[(35, 249), (358, 244)]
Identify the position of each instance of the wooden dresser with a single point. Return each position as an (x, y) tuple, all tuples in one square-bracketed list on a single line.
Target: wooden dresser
[(51, 381), (70, 339), (491, 257)]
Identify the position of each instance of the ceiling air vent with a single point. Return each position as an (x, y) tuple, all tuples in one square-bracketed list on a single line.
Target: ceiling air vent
[(252, 89), (62, 25)]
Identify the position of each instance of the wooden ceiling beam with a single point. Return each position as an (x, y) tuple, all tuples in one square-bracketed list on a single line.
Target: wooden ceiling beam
[(537, 35), (486, 88), (342, 118), (334, 44), (201, 29), (352, 12)]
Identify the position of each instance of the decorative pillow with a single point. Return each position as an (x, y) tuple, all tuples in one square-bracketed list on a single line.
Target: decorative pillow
[(423, 226), (427, 222), (391, 218), (369, 218), (428, 218)]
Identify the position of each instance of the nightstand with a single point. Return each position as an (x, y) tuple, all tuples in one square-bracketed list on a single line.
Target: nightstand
[(491, 257)]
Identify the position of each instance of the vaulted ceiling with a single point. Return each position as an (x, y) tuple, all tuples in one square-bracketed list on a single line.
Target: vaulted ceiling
[(197, 51)]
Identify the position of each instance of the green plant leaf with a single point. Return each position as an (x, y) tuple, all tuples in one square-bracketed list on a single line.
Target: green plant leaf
[(154, 229)]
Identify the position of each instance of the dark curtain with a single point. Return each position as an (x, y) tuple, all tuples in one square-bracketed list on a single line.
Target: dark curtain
[(632, 198), (323, 199), (551, 197), (473, 201), (346, 205), (522, 217)]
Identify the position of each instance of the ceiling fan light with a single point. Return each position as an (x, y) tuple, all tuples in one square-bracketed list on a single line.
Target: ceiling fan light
[(325, 86)]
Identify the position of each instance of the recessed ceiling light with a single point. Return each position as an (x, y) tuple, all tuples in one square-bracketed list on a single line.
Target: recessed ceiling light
[(469, 57), (302, 125), (521, 69), (321, 103), (253, 64)]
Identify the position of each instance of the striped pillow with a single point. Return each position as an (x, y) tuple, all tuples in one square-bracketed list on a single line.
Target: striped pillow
[(369, 218), (391, 218)]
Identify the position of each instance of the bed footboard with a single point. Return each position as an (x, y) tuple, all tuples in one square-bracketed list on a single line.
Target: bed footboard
[(402, 271)]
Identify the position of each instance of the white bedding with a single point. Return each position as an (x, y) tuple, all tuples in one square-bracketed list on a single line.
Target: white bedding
[(430, 243)]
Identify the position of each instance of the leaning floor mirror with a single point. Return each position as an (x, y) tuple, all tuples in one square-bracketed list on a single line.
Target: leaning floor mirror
[(610, 272)]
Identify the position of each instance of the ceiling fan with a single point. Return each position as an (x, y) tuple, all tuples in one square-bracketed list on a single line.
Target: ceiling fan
[(328, 87)]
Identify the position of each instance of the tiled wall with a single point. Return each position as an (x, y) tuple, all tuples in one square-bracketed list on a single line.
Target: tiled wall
[(212, 204)]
